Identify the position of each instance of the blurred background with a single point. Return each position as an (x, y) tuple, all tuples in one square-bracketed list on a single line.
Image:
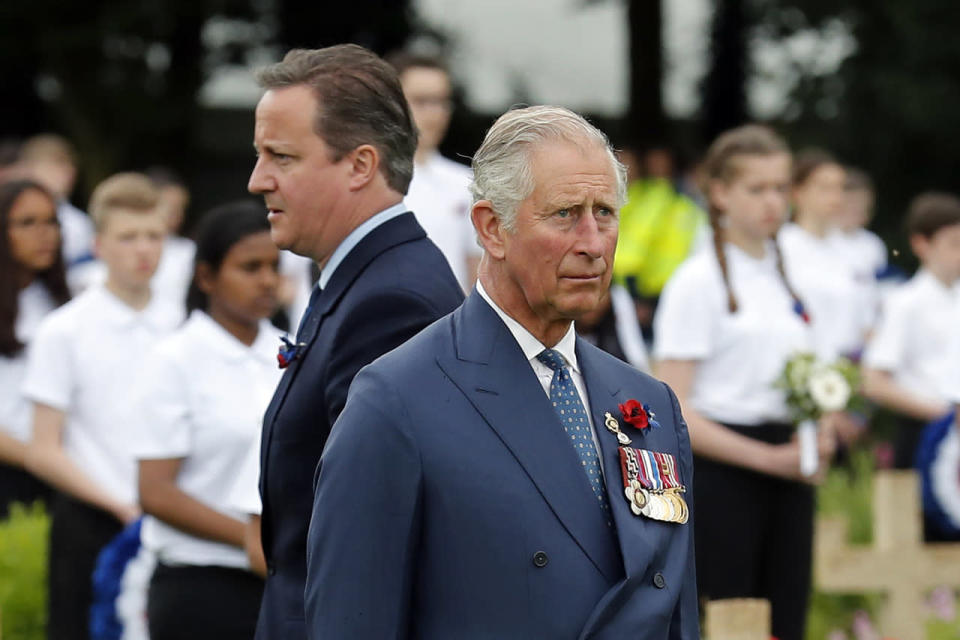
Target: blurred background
[(135, 83)]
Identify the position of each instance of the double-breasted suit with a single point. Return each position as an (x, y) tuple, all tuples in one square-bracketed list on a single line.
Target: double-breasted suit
[(450, 502), (391, 285)]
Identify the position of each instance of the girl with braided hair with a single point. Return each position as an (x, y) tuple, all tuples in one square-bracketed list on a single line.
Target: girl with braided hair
[(727, 323)]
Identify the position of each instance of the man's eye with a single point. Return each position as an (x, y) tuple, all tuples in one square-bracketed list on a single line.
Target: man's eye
[(563, 213), (605, 212)]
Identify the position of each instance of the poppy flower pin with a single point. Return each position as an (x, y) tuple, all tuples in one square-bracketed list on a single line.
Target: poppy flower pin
[(288, 352), (638, 414)]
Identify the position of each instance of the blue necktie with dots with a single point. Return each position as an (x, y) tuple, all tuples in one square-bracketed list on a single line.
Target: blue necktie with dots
[(569, 407)]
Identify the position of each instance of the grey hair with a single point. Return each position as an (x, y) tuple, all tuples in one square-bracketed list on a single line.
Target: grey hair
[(501, 167)]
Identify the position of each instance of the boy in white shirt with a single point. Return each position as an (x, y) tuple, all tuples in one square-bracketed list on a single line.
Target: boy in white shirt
[(78, 373), (907, 363)]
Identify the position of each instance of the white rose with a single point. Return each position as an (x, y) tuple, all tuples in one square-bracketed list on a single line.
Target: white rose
[(829, 389)]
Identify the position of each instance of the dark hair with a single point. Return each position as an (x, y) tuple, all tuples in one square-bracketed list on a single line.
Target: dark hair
[(809, 160), (932, 211), (720, 164), (53, 278), (359, 101), (402, 61), (218, 230)]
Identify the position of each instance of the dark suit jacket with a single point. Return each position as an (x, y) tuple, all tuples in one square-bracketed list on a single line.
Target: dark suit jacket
[(451, 504), (390, 286)]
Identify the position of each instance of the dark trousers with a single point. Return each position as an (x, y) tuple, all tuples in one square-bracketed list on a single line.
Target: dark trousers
[(754, 536), (188, 602), (17, 485), (905, 442), (78, 532)]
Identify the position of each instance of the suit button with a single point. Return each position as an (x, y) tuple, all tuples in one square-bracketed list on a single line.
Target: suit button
[(540, 559), (271, 570), (658, 580)]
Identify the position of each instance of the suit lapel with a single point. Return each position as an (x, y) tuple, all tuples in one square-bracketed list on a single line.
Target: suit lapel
[(396, 231), (491, 370), (637, 535)]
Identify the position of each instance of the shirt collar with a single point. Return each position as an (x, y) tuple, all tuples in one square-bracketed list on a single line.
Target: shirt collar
[(155, 315), (211, 333), (354, 238), (530, 346)]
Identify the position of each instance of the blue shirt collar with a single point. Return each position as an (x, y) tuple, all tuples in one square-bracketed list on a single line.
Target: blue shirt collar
[(354, 239)]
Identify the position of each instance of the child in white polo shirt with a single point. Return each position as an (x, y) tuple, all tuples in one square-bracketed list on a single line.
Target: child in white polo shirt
[(200, 399), (78, 378), (907, 363)]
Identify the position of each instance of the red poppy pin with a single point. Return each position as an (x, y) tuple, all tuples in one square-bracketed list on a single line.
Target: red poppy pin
[(638, 414), (288, 352)]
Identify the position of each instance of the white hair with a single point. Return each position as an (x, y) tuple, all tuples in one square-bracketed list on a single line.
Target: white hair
[(501, 167)]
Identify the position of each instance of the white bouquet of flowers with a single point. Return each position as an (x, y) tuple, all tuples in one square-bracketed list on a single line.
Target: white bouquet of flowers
[(814, 388)]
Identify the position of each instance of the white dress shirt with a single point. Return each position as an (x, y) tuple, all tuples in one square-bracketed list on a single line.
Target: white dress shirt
[(532, 347), (439, 196)]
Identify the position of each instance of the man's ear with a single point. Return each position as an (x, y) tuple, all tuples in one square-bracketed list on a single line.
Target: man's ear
[(489, 230), (364, 165)]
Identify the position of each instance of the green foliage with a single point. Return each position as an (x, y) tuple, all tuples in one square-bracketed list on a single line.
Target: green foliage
[(23, 573), (848, 493)]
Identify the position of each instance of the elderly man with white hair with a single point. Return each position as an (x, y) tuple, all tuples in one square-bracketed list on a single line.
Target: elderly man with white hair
[(496, 476)]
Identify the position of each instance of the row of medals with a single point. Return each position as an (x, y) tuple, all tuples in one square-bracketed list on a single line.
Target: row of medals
[(666, 505)]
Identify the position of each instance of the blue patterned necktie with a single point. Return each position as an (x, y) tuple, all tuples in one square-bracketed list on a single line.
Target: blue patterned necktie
[(569, 407)]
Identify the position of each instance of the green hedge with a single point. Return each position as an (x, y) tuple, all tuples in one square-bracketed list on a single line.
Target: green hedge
[(23, 573)]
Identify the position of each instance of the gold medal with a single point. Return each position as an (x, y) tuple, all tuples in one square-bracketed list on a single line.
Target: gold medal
[(681, 509), (671, 508)]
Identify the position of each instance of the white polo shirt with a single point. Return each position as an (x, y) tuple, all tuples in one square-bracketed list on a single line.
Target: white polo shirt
[(82, 361), (201, 397), (914, 339), (842, 309), (245, 494), (739, 355), (862, 249), (439, 197), (33, 303)]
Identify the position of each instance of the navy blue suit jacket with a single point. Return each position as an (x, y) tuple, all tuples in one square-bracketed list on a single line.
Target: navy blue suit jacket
[(390, 286), (450, 502)]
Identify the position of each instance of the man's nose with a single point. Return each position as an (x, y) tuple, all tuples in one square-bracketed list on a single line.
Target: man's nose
[(260, 179), (590, 240)]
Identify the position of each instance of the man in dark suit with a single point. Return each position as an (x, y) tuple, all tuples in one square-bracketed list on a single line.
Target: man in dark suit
[(335, 144), (483, 480)]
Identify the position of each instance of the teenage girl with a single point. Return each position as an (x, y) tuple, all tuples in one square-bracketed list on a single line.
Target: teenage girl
[(727, 322), (32, 283), (202, 398)]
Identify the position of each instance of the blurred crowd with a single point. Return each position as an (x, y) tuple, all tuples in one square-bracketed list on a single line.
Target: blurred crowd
[(117, 332)]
